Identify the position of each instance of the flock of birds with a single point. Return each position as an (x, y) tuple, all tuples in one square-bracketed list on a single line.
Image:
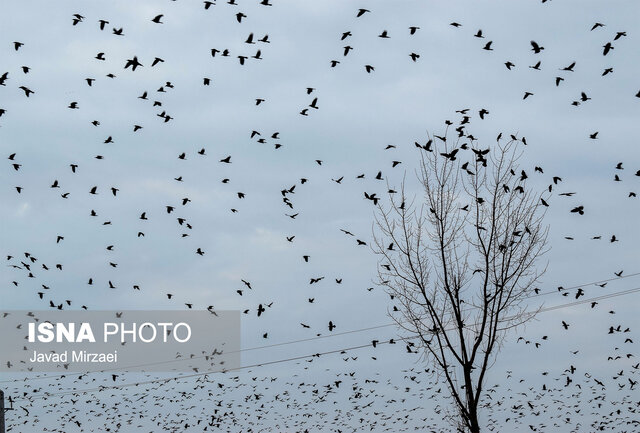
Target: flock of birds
[(311, 398)]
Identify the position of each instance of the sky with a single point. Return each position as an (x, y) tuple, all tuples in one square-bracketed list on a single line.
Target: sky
[(359, 114)]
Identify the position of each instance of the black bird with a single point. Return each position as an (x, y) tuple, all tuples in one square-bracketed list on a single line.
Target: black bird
[(27, 91), (578, 209), (536, 48), (619, 35), (77, 18), (451, 155), (133, 63)]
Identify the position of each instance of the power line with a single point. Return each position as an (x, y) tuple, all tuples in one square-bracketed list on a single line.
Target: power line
[(564, 289), (318, 337), (301, 357), (186, 376), (199, 357)]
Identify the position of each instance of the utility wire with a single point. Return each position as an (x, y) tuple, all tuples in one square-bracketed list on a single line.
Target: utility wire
[(319, 337), (301, 357)]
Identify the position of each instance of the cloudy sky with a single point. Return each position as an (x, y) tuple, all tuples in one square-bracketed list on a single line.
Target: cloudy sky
[(358, 115)]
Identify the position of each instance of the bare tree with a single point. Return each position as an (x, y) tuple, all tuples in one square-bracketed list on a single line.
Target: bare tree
[(461, 261)]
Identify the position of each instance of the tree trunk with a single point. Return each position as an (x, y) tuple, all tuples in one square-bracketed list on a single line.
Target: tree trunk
[(473, 420), (472, 404)]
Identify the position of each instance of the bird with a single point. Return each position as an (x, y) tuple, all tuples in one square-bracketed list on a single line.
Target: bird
[(26, 91), (619, 35), (536, 48), (578, 209), (77, 18)]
